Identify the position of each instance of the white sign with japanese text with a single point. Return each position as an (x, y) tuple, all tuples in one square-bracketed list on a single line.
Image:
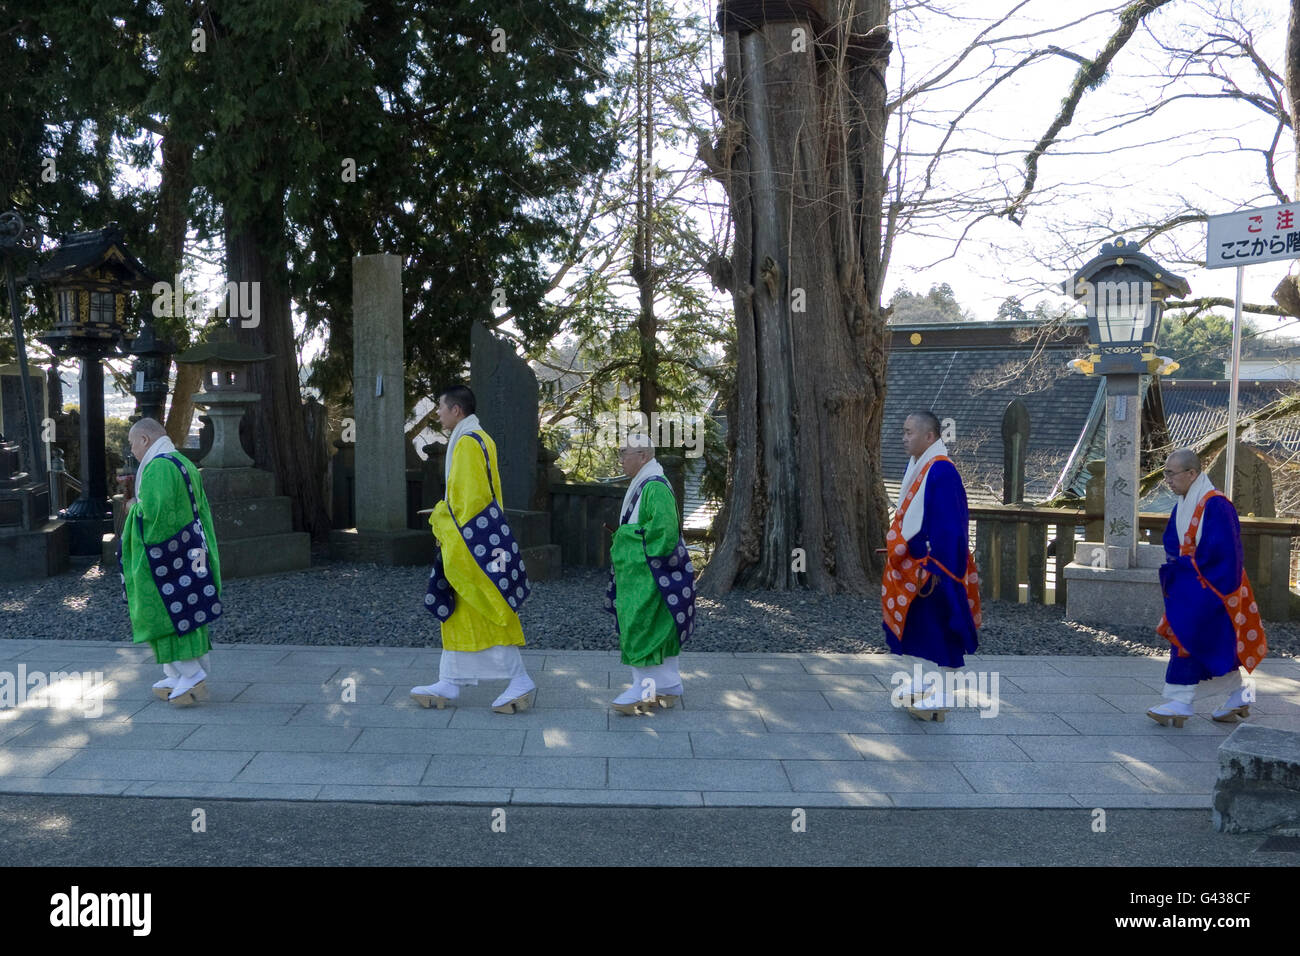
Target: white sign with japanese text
[(1252, 236)]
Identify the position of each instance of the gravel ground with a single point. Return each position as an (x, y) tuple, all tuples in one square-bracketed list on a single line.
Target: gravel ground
[(335, 603)]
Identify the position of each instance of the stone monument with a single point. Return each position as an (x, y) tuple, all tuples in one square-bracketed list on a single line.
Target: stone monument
[(379, 408), (1252, 485), (1015, 442), (506, 393), (1267, 557)]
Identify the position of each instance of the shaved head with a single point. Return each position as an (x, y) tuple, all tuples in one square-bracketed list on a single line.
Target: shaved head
[(1184, 458), (928, 421), (147, 428)]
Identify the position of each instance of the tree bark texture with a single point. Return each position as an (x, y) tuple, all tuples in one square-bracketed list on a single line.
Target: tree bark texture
[(802, 157), (280, 442)]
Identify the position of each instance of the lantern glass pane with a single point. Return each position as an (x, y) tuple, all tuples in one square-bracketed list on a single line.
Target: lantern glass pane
[(1121, 312), (102, 309), (67, 306)]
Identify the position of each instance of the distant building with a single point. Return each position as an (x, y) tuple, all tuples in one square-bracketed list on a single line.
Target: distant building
[(967, 373)]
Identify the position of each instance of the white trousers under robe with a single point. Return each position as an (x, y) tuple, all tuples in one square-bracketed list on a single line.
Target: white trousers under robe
[(503, 662)]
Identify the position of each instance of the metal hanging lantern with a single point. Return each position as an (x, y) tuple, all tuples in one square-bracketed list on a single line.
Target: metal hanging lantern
[(1124, 293)]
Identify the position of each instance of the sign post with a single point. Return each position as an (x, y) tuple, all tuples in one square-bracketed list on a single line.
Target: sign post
[(1239, 239)]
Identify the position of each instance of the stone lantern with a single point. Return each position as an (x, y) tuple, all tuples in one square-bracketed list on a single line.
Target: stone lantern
[(148, 378), (91, 275), (225, 395), (1123, 291), (152, 363)]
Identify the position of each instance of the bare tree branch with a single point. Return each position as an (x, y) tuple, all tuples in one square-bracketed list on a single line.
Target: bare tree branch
[(1087, 78)]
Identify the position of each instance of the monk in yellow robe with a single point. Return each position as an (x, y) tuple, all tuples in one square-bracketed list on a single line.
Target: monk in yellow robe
[(484, 581)]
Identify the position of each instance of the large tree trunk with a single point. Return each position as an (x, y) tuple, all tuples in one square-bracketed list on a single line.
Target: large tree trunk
[(173, 224), (802, 159), (280, 442)]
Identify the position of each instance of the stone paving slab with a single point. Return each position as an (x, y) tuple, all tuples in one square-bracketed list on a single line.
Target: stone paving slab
[(1051, 777), (922, 776), (277, 738), (171, 765), (341, 768), (414, 740), (290, 722), (111, 734), (332, 691), (1111, 749), (601, 743), (934, 747)]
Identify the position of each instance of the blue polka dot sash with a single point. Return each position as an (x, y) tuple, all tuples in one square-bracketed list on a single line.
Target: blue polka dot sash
[(494, 548), (180, 569), (673, 574)]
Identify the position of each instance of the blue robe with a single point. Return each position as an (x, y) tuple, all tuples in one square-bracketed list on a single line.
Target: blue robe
[(940, 627), (1197, 616)]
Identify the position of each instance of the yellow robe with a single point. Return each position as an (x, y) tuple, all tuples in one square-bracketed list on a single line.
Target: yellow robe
[(481, 618)]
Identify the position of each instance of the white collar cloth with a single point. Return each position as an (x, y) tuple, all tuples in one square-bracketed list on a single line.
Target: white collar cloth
[(915, 513), (463, 427), (651, 469), (1187, 507), (161, 446)]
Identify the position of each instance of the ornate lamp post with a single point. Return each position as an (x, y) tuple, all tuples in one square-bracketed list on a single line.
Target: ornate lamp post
[(91, 275), (149, 377), (152, 363), (1124, 292)]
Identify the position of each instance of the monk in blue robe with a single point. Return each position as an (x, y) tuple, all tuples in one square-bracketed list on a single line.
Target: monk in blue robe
[(1211, 617), (929, 593)]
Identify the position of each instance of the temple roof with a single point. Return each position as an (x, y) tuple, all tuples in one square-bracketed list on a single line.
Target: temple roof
[(79, 252)]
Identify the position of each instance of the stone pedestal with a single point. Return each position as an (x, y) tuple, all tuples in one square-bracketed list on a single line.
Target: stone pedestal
[(31, 545), (225, 410), (1097, 594), (254, 526), (1258, 788), (382, 547)]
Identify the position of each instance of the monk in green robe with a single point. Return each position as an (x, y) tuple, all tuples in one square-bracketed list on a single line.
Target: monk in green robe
[(160, 510), (647, 632)]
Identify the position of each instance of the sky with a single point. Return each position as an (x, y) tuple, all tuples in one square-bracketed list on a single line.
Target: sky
[(1195, 152)]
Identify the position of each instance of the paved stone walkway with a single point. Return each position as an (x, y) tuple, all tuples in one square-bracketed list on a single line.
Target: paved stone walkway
[(775, 730)]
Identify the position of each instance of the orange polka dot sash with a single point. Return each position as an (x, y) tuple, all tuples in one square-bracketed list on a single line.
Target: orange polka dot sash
[(1242, 608), (905, 577)]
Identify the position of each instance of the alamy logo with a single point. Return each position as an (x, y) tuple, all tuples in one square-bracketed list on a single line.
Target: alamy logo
[(666, 429), (75, 908), (979, 688), (60, 689)]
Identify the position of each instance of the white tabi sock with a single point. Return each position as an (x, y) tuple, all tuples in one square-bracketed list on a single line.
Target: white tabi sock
[(191, 675), (172, 675), (518, 687), (1180, 693), (442, 688)]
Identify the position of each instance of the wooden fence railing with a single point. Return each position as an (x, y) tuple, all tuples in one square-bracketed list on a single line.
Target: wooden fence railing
[(1013, 544)]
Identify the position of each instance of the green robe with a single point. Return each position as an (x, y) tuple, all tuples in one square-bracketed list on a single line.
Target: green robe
[(161, 500), (646, 632)]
